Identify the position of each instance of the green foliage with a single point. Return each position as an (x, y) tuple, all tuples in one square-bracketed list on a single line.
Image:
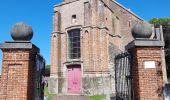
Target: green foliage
[(47, 93), (165, 22), (160, 21), (47, 70), (97, 97), (47, 66)]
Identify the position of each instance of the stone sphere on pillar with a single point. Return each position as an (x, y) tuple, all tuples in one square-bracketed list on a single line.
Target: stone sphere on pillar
[(142, 30), (21, 32)]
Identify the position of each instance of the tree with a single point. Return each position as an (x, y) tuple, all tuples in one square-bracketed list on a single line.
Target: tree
[(47, 70), (165, 22)]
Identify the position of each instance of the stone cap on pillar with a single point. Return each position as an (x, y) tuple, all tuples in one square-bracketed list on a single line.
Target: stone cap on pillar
[(22, 34), (145, 43), (141, 33), (18, 45)]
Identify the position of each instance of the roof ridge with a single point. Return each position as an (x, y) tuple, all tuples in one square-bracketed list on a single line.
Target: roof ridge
[(127, 9), (64, 3)]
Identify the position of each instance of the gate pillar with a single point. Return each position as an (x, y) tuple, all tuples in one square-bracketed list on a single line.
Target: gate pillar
[(147, 73), (20, 76)]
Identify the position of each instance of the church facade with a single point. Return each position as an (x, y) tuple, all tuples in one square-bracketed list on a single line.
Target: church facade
[(86, 37)]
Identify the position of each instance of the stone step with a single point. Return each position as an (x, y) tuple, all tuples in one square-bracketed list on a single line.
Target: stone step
[(70, 97)]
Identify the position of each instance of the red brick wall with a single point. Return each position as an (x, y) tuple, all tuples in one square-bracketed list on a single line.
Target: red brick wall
[(17, 75), (127, 20), (147, 83)]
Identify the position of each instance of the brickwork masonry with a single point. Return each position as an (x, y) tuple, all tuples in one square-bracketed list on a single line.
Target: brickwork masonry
[(147, 82), (18, 72)]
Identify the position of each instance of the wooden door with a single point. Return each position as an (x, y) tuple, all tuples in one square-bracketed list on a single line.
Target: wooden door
[(74, 77)]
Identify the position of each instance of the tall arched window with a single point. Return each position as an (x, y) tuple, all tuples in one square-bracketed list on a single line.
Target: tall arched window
[(74, 43)]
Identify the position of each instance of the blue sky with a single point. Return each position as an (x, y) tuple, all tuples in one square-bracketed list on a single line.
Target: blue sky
[(38, 14), (148, 9)]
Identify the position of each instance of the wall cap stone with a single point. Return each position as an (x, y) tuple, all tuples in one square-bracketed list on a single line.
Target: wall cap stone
[(18, 45), (145, 43)]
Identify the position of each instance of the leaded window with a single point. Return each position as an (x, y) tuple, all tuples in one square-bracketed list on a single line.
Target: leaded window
[(74, 44)]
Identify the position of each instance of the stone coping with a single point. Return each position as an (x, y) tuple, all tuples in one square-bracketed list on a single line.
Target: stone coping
[(64, 3), (18, 45), (145, 43)]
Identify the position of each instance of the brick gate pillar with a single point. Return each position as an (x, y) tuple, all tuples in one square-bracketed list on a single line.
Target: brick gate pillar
[(20, 70), (147, 75), (147, 62)]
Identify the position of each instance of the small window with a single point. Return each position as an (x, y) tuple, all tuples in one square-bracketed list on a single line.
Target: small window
[(113, 26), (74, 44), (129, 23), (73, 18), (117, 25)]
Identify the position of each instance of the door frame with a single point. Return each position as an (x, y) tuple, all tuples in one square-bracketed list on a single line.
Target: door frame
[(66, 74), (73, 67)]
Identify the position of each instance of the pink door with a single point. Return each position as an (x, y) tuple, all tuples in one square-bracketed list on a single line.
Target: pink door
[(74, 75)]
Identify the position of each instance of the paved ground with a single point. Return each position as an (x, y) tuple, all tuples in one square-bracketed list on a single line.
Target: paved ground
[(169, 80), (167, 92), (70, 97)]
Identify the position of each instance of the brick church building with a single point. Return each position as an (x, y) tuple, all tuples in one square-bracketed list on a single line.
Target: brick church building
[(86, 37)]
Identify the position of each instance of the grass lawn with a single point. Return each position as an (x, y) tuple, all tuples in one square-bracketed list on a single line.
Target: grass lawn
[(49, 95), (46, 93), (97, 97)]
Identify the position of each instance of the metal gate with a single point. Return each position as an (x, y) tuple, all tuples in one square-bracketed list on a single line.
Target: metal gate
[(123, 77)]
